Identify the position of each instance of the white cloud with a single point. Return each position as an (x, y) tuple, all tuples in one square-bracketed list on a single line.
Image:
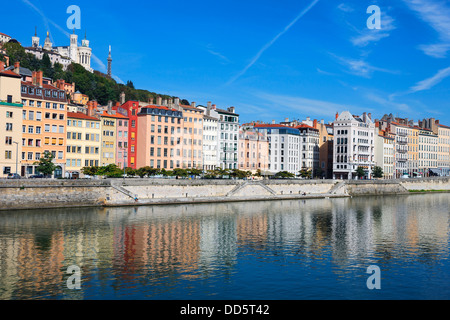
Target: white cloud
[(303, 106), (345, 7), (361, 67), (367, 36), (432, 81), (437, 15), (391, 105)]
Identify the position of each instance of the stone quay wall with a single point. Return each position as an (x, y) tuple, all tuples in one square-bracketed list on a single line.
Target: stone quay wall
[(50, 193)]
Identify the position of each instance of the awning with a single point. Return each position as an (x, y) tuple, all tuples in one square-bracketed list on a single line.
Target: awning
[(436, 171)]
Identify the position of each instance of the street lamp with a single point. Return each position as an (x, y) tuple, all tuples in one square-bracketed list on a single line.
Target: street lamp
[(17, 153)]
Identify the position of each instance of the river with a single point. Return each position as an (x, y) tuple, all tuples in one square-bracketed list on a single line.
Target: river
[(302, 249)]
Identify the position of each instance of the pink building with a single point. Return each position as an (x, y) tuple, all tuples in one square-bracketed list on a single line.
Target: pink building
[(122, 141), (253, 150)]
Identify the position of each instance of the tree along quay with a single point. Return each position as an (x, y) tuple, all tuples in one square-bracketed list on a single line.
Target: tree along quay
[(54, 193)]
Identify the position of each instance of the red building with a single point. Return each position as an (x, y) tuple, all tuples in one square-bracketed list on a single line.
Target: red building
[(130, 109)]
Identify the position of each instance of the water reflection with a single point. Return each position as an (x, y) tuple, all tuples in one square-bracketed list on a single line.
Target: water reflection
[(212, 250)]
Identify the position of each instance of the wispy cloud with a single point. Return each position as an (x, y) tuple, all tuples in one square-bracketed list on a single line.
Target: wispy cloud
[(388, 103), (432, 81), (345, 7), (437, 15), (271, 42), (367, 36), (303, 106), (214, 52), (360, 67), (325, 72)]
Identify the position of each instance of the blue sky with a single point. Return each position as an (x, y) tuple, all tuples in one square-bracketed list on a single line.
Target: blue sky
[(270, 59)]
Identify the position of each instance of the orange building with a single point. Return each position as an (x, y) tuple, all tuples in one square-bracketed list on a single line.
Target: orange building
[(44, 124), (160, 133)]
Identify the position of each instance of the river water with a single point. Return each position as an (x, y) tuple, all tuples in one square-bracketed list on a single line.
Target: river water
[(310, 249)]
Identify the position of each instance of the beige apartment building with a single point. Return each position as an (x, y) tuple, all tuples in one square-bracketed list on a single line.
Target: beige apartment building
[(10, 122), (83, 143), (192, 137), (428, 152)]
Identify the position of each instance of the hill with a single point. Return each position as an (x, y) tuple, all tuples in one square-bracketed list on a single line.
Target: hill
[(96, 85)]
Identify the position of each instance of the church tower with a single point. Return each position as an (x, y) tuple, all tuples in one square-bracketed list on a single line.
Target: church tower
[(48, 45), (109, 63), (73, 48), (35, 40)]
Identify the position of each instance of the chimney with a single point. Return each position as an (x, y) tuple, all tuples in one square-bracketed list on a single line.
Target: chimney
[(209, 104), (337, 115), (37, 78), (273, 121), (370, 116), (213, 107), (322, 121), (177, 101), (286, 120), (158, 101), (231, 109), (364, 116), (308, 118), (315, 124), (117, 104), (122, 97), (109, 107), (90, 108), (193, 104), (164, 103), (17, 67)]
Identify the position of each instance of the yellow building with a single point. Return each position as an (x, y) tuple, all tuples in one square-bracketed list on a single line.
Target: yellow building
[(83, 143), (413, 151), (10, 122), (80, 98), (108, 125)]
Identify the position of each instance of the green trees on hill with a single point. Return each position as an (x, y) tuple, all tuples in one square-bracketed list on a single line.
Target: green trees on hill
[(96, 85)]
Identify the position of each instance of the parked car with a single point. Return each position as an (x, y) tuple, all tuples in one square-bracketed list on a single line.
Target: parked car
[(405, 176), (37, 176), (13, 176)]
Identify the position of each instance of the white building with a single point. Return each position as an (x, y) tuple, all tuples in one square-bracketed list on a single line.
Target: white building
[(354, 145), (385, 155), (227, 135), (284, 147), (4, 38), (310, 151), (64, 55), (210, 142)]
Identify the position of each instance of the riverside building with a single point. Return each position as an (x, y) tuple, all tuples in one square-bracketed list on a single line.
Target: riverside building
[(354, 145), (284, 147), (253, 150), (10, 122), (83, 143), (160, 132), (44, 117)]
